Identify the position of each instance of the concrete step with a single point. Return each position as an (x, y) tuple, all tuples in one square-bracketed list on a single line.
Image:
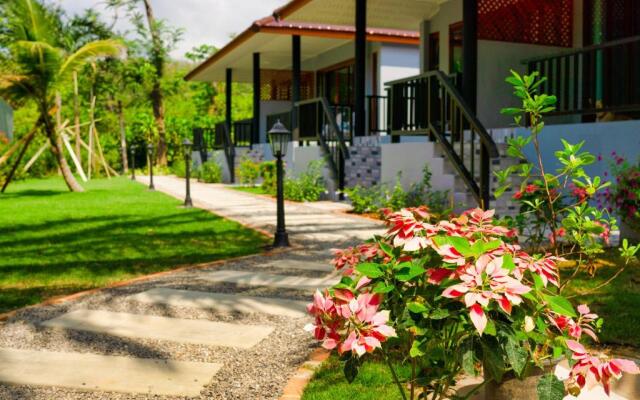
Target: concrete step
[(162, 328), (270, 280), (104, 373), (222, 302)]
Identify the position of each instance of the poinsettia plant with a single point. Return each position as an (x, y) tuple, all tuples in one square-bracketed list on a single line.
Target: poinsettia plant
[(454, 296), (557, 211)]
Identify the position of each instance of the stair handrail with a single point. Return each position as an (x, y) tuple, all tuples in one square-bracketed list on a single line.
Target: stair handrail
[(481, 193), (333, 124)]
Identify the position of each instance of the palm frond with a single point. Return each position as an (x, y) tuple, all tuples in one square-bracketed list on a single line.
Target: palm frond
[(95, 49)]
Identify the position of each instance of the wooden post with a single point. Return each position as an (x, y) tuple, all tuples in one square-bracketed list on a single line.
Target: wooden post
[(360, 67), (91, 127), (228, 118), (255, 134), (295, 85), (76, 114), (15, 165)]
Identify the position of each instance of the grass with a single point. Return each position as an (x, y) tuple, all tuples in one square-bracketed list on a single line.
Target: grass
[(374, 382), (251, 189), (53, 242), (618, 302)]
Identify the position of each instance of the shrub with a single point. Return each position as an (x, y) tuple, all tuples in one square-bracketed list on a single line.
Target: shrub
[(210, 172), (268, 175), (179, 169), (379, 197), (248, 171), (309, 186), (623, 198), (452, 296)]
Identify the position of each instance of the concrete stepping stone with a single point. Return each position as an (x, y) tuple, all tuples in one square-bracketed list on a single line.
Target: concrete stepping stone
[(222, 302), (270, 280), (162, 328), (104, 373), (299, 264)]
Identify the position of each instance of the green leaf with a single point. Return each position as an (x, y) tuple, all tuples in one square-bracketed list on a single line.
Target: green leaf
[(492, 359), (460, 244), (386, 248), (409, 272), (416, 350), (550, 388), (439, 313), (469, 363), (370, 270), (382, 287), (560, 305), (490, 329), (507, 262), (516, 355), (417, 308), (351, 369), (537, 282)]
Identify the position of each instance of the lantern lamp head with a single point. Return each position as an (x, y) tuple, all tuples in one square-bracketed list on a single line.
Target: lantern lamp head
[(279, 137)]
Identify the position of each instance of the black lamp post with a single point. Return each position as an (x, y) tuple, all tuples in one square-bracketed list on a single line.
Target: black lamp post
[(150, 153), (132, 150), (187, 159), (279, 137)]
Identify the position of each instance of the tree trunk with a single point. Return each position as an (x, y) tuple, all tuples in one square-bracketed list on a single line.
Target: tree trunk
[(123, 139), (157, 101), (57, 150)]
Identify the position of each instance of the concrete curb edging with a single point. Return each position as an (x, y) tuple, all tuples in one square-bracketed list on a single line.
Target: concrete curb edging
[(299, 380)]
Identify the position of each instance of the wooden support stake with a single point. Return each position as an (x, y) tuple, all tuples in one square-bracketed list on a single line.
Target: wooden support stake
[(16, 145), (65, 140), (15, 165), (36, 156), (104, 162)]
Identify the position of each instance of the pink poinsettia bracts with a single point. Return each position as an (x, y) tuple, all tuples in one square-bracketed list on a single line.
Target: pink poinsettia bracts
[(546, 267), (575, 329), (349, 323), (409, 228), (482, 282), (588, 366)]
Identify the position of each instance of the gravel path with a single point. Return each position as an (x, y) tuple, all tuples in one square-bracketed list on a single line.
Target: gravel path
[(260, 372)]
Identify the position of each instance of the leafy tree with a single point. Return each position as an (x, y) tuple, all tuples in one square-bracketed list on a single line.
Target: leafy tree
[(39, 64)]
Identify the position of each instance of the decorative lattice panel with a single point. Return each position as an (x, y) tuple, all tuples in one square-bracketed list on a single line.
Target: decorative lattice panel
[(276, 85), (545, 22)]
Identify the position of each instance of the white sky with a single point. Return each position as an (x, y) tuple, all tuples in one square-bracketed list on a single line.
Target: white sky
[(203, 21)]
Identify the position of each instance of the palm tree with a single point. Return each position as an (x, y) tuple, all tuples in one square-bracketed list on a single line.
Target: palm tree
[(38, 65)]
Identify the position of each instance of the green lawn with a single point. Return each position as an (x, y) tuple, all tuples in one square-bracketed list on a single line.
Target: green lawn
[(374, 382), (54, 242)]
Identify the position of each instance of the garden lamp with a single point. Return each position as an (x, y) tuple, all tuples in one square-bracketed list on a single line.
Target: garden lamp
[(150, 153), (187, 145), (279, 137), (132, 150)]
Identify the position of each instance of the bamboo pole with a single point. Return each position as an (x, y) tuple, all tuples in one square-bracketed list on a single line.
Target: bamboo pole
[(65, 140), (91, 128), (76, 114), (36, 156), (16, 145), (15, 165), (104, 162)]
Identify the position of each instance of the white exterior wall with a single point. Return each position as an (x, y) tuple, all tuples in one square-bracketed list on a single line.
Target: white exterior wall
[(396, 62), (267, 108)]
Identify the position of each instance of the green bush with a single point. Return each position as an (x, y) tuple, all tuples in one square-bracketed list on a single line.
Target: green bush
[(178, 168), (248, 171), (210, 172), (309, 186), (372, 199), (268, 175)]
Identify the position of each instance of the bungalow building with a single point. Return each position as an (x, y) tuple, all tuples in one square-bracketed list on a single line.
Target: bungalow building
[(382, 86)]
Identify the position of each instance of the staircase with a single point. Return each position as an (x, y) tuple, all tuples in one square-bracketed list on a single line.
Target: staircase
[(429, 104), (318, 122)]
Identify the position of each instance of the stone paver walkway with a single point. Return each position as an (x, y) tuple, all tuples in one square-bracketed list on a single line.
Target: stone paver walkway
[(230, 331)]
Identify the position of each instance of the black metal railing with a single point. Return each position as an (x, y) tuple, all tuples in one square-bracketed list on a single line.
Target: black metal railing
[(430, 104), (227, 145), (593, 79), (318, 121), (378, 114), (284, 117), (243, 133)]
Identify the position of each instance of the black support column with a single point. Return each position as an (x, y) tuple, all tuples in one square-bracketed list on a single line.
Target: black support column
[(256, 99), (295, 87), (228, 110), (360, 67)]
